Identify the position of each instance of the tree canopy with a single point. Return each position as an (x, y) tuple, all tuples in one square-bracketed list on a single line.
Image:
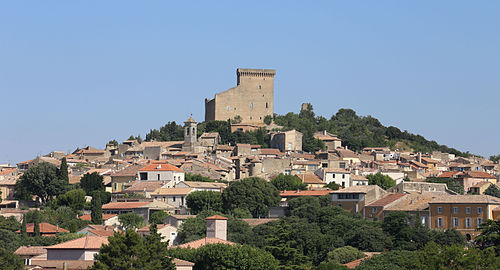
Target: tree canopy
[(92, 182), (381, 180), (41, 180), (254, 194), (288, 182), (198, 201), (131, 221)]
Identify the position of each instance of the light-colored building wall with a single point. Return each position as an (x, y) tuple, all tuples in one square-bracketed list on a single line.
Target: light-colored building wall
[(252, 99)]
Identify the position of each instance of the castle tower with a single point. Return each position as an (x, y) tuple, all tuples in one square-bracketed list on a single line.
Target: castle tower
[(190, 135), (252, 98), (217, 227)]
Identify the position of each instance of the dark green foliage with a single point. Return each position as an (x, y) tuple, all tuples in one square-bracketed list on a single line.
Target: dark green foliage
[(169, 132), (63, 217), (96, 209), (130, 251), (41, 180), (492, 190), (451, 183), (36, 223), (24, 233), (447, 237), (220, 256), (10, 261), (254, 194), (9, 223), (490, 236), (113, 142), (157, 217), (368, 237), (131, 221), (383, 181), (62, 172), (495, 158), (331, 266), (344, 255), (10, 240), (333, 186), (75, 199), (433, 256), (242, 213), (197, 178), (268, 119), (288, 182), (91, 182), (198, 201)]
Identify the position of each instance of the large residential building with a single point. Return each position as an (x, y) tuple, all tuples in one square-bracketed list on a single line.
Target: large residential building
[(251, 99), (462, 212)]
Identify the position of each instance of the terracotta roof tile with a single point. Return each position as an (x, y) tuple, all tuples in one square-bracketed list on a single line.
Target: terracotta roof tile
[(480, 175), (30, 250), (44, 228), (172, 191), (160, 167), (216, 217), (124, 205), (204, 241), (310, 178), (128, 171), (387, 200), (87, 242), (467, 199), (104, 217), (295, 193)]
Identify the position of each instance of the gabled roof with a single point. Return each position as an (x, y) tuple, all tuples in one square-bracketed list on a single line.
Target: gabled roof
[(160, 167), (210, 135), (141, 186), (467, 199), (335, 170), (104, 217), (124, 205), (87, 242), (310, 178), (216, 217), (44, 228), (30, 250), (158, 226), (474, 174), (271, 151), (204, 241), (448, 174), (356, 189), (129, 171), (387, 200), (299, 193), (172, 191)]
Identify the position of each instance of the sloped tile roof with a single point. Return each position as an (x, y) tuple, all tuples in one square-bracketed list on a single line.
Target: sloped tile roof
[(30, 250), (204, 241), (87, 242), (44, 228), (160, 167)]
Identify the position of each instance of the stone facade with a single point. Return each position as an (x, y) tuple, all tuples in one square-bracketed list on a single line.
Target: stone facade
[(252, 98)]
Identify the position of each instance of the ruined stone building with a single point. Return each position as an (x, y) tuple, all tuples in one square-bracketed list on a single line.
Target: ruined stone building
[(251, 99)]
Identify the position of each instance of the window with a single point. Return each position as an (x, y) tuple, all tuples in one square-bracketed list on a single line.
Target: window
[(467, 222), (348, 196), (343, 176), (342, 165), (173, 199), (116, 185), (251, 105), (267, 105), (455, 210), (455, 222), (479, 210), (440, 210), (260, 86), (467, 210), (479, 221), (228, 108), (374, 209), (158, 177), (439, 222), (343, 184)]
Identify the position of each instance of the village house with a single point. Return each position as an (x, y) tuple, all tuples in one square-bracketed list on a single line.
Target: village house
[(176, 220), (144, 208), (469, 178), (331, 141), (311, 180), (173, 196), (161, 172), (287, 141), (202, 186), (120, 178), (353, 199), (46, 229), (340, 177), (167, 232), (462, 212)]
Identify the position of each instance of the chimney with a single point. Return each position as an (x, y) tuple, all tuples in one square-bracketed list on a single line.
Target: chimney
[(217, 227)]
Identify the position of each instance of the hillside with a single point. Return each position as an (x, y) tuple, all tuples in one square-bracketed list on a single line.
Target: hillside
[(355, 131)]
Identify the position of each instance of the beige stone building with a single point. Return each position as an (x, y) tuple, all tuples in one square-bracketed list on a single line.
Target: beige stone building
[(251, 99)]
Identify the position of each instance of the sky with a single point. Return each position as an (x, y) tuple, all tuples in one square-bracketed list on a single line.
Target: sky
[(78, 73)]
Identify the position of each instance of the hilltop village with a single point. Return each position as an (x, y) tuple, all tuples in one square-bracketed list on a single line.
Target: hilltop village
[(59, 210)]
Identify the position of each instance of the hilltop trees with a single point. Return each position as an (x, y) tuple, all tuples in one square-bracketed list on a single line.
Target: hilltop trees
[(383, 181)]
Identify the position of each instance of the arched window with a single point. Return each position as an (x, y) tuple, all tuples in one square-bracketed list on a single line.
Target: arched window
[(251, 105)]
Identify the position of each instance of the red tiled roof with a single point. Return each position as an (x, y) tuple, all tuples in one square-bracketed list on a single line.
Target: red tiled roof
[(271, 151), (30, 250), (310, 178), (480, 175), (298, 193), (128, 171), (160, 167), (447, 174), (87, 242), (7, 171), (44, 228), (204, 241), (387, 200), (104, 217), (216, 217), (124, 205)]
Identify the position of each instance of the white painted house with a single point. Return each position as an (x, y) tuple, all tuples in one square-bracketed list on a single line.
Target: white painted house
[(161, 172), (340, 177)]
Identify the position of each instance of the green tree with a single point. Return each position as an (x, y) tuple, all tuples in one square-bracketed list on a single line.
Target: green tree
[(368, 237), (495, 158), (96, 209), (36, 223), (288, 182), (24, 233), (62, 172), (131, 220), (490, 235), (492, 190), (383, 181), (344, 255), (254, 194), (268, 119), (91, 182), (221, 256), (10, 240), (9, 223), (41, 180), (130, 251), (113, 142), (198, 201), (158, 217), (197, 178), (333, 186), (10, 261), (74, 198)]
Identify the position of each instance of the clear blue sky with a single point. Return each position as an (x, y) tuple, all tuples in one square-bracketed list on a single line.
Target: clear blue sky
[(77, 73)]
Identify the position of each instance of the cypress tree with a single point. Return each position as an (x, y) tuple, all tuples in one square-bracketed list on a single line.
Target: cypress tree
[(36, 223), (96, 208), (23, 227), (63, 171)]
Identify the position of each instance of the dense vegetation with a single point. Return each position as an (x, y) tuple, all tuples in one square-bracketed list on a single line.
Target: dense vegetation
[(355, 131)]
